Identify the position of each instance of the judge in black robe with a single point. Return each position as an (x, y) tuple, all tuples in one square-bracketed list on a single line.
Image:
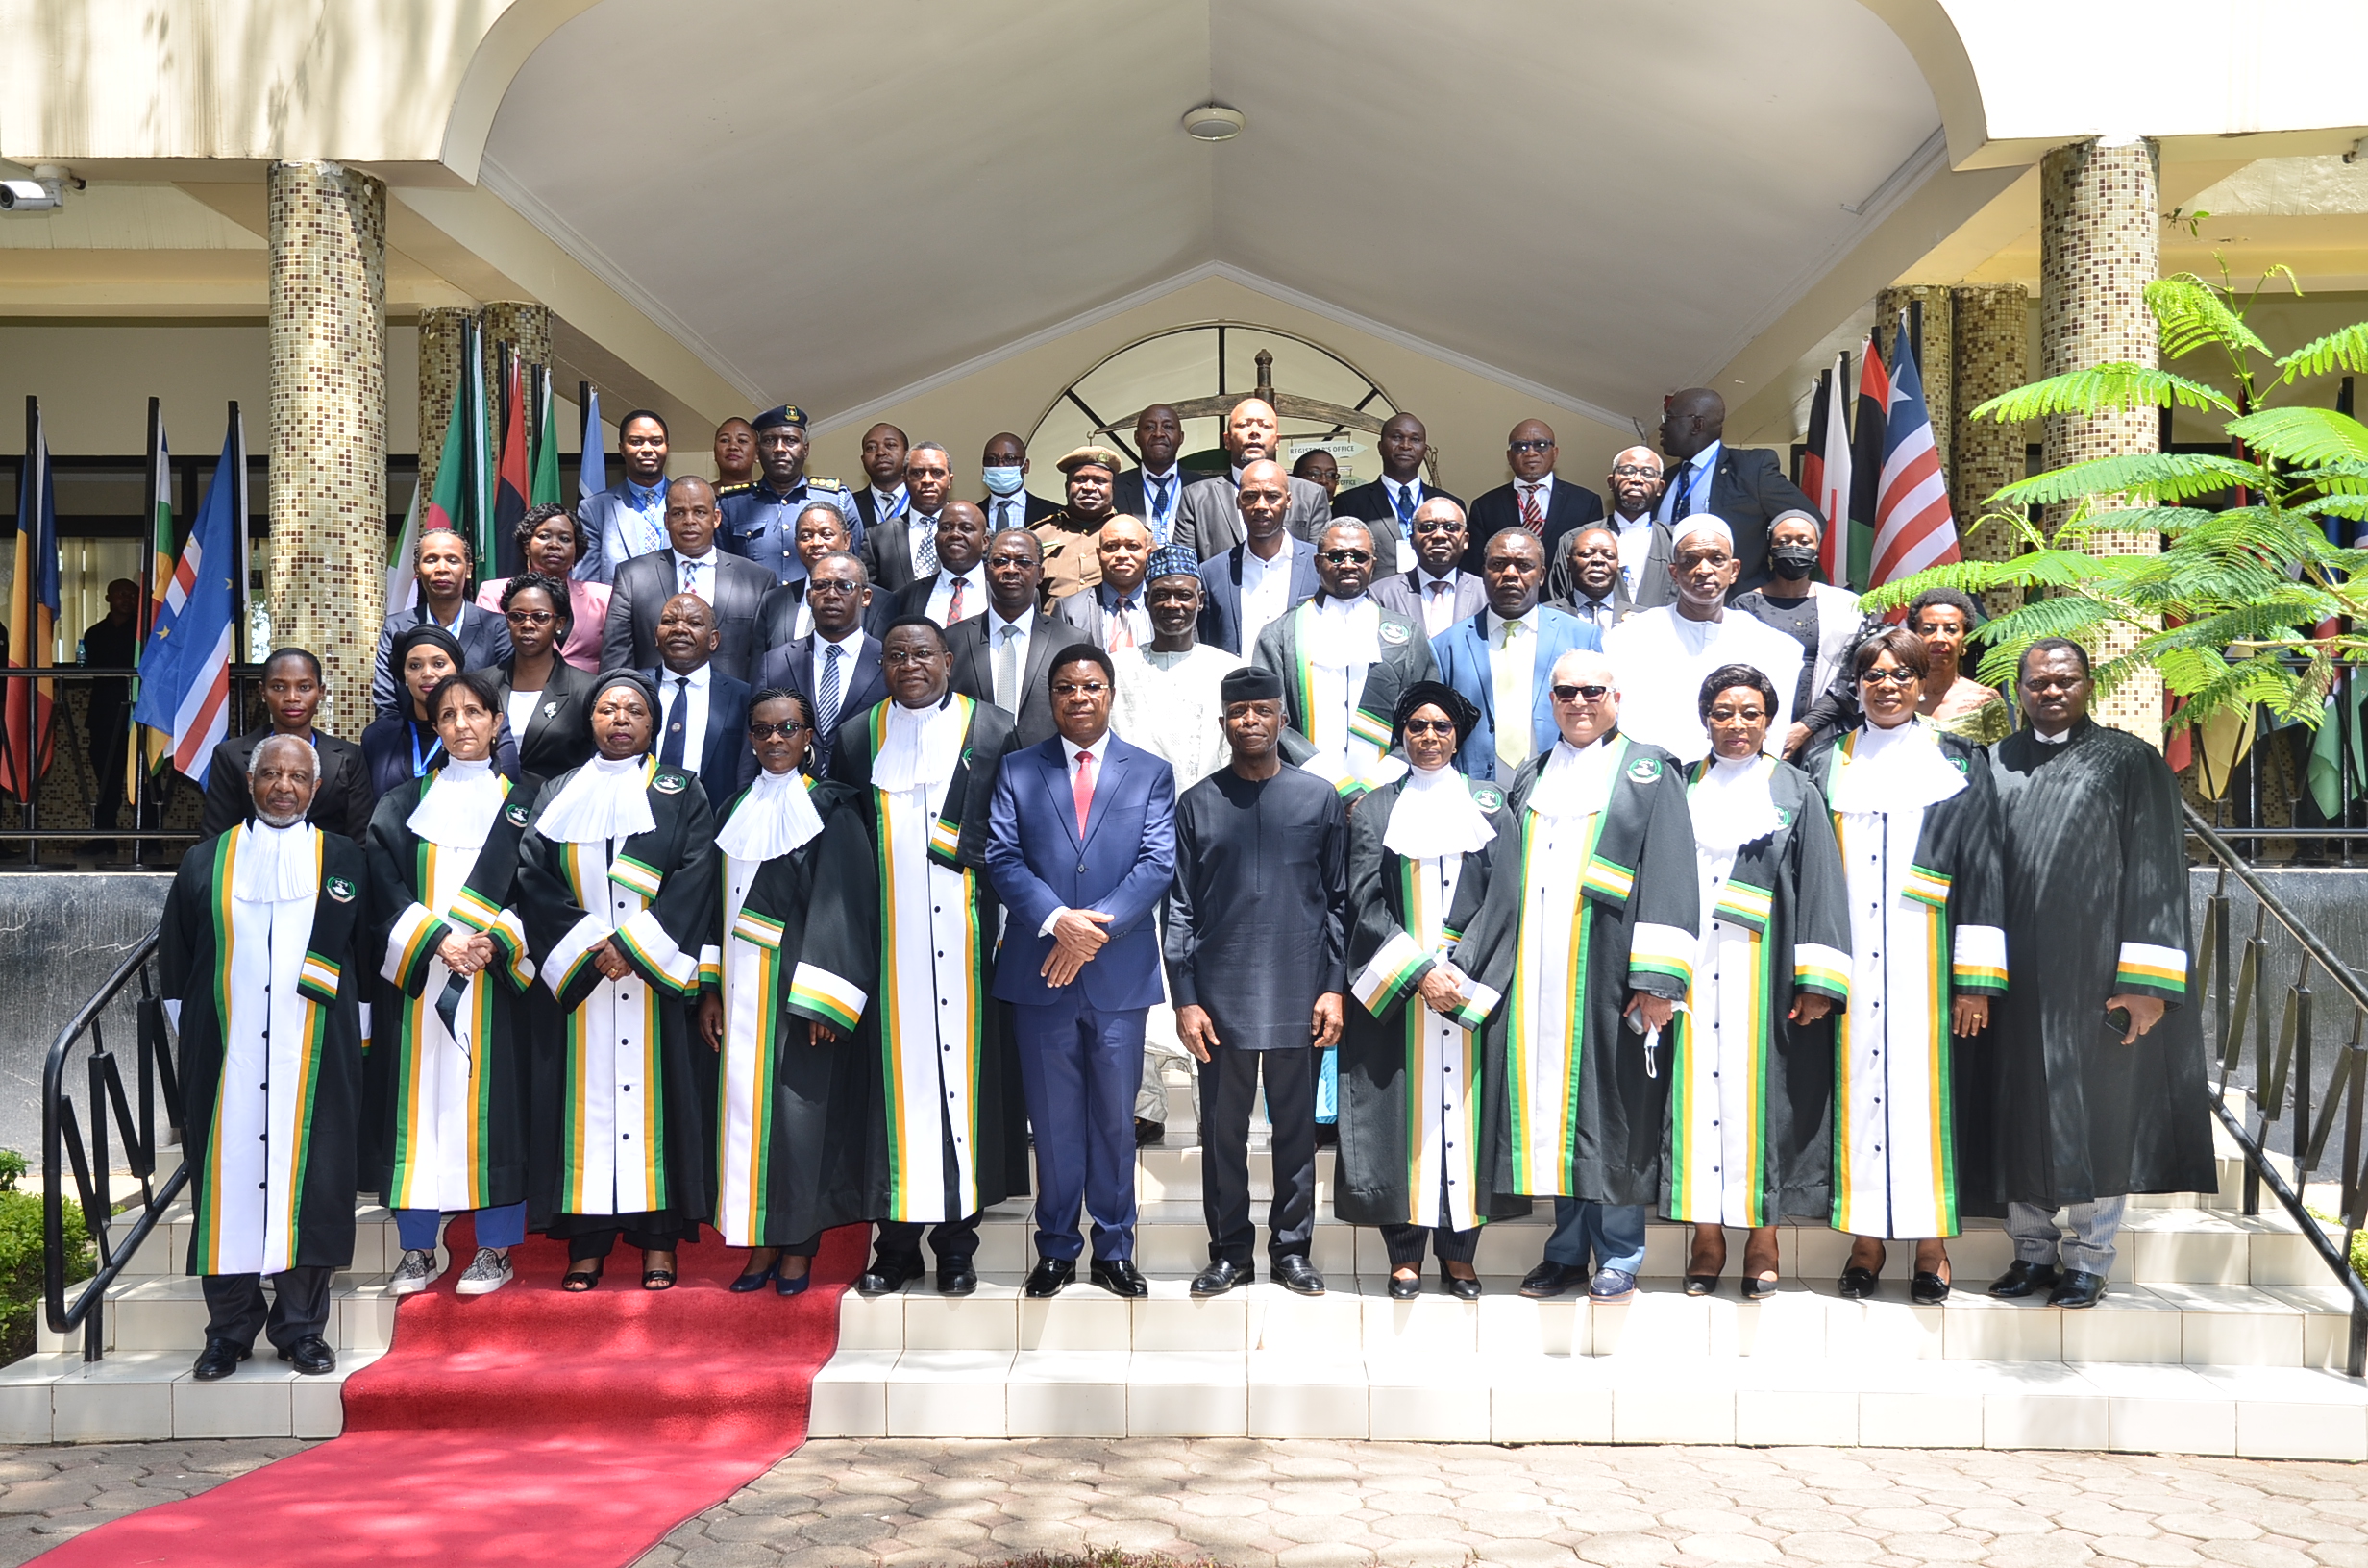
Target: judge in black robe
[(1420, 853), (1257, 953), (2074, 1113), (617, 884), (259, 976)]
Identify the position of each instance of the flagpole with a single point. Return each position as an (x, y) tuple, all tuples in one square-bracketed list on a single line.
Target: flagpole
[(241, 632), (135, 752)]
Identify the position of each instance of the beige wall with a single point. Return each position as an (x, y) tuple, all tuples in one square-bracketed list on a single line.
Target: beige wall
[(1467, 414)]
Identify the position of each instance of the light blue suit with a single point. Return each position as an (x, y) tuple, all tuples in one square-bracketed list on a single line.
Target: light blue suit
[(1463, 654)]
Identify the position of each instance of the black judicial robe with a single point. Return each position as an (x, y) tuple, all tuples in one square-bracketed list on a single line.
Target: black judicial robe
[(666, 878), (317, 1105), (2096, 906), (797, 1168), (848, 969), (1581, 1114), (1385, 1107), (1405, 658), (1257, 925), (402, 867)]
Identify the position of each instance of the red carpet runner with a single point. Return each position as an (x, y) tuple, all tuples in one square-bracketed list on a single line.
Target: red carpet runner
[(525, 1427)]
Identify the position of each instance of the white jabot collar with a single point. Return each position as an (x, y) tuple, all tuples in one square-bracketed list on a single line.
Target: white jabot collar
[(1575, 781), (921, 746), (1436, 817), (606, 799), (774, 816), (277, 864), (458, 809), (1732, 805), (2063, 739), (1897, 770)]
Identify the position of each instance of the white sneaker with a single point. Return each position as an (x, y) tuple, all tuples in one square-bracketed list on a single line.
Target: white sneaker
[(487, 1272), (417, 1271)]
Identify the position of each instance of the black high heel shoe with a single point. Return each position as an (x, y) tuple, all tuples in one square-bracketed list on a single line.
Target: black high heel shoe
[(1404, 1289), (1858, 1282), (1928, 1290), (1461, 1290), (747, 1283), (575, 1282)]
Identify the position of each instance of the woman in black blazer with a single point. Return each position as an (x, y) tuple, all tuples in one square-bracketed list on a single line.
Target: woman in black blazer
[(292, 694), (546, 700)]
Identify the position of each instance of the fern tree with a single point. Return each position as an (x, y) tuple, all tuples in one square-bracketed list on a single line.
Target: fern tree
[(2229, 612)]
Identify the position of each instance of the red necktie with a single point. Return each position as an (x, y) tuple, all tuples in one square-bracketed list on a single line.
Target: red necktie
[(1531, 519), (953, 610), (1082, 790)]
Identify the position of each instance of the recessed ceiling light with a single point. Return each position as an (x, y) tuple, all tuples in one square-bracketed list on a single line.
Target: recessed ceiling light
[(1212, 122)]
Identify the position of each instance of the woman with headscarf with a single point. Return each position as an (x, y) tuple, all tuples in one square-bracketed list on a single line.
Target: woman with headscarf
[(403, 746), (1752, 1077), (789, 1151), (1419, 852), (617, 882), (445, 1087)]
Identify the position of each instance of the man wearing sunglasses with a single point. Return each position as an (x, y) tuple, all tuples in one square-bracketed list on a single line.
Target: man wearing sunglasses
[(1538, 501), (835, 668), (1343, 660)]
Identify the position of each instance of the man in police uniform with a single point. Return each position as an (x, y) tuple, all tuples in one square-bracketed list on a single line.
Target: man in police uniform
[(1070, 536), (760, 523)]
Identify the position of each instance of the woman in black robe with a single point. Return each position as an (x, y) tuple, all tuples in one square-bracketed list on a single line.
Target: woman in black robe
[(617, 884), (1420, 853)]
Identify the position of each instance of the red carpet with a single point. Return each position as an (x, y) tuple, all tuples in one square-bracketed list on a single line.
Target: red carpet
[(526, 1427)]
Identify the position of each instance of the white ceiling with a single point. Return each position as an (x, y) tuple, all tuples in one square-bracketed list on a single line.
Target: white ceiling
[(832, 201)]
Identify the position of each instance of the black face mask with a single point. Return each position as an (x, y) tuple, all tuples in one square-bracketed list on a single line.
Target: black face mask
[(1794, 560)]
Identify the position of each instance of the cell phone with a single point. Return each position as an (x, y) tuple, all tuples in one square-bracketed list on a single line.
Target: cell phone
[(2117, 1022)]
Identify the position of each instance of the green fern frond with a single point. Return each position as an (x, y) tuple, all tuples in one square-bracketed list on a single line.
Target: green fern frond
[(2144, 478), (2308, 437), (2034, 569), (2192, 315), (2119, 386), (2346, 350)]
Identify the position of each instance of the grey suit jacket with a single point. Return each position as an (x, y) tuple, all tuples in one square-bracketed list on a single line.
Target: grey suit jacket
[(1208, 520), (1400, 593), (645, 583)]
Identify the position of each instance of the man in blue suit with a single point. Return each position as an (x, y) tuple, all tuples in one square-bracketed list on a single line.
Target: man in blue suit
[(1081, 849), (703, 717), (1500, 659)]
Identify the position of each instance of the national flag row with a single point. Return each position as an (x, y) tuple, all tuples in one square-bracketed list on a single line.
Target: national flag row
[(1877, 478)]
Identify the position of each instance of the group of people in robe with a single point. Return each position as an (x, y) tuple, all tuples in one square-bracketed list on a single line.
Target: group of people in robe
[(1497, 945)]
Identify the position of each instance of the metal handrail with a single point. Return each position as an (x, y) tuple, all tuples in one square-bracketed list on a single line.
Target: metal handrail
[(62, 1141), (2240, 990)]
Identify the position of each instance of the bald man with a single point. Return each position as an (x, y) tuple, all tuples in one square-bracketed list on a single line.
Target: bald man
[(1743, 485), (1644, 543), (1209, 521), (1391, 502), (1538, 501), (1114, 612)]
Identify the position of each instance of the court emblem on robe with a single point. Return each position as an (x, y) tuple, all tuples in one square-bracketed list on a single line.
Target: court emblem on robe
[(1643, 771), (517, 814), (551, 709), (669, 783), (340, 889), (1487, 797), (1393, 634)]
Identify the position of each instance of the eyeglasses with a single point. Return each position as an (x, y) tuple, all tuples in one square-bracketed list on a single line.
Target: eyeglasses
[(1074, 688), (1888, 677), (1348, 557), (827, 585), (2053, 683), (759, 730), (1529, 446), (906, 655), (529, 618), (1430, 727), (1580, 693), (1635, 470)]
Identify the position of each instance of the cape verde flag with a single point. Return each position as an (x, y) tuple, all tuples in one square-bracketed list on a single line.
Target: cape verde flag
[(185, 673), (1913, 529)]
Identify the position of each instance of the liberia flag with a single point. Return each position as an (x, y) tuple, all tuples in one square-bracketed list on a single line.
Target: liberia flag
[(1913, 527)]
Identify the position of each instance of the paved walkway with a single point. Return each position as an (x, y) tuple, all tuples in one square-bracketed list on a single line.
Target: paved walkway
[(1317, 1505)]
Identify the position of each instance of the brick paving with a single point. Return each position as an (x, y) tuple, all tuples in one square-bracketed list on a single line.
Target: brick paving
[(47, 1494)]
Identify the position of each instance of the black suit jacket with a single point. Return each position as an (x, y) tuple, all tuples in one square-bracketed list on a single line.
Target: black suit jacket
[(1036, 511), (974, 669), (342, 805), (791, 668), (888, 555), (1126, 492), (866, 507), (1748, 489), (727, 763), (1371, 503), (558, 737), (645, 583), (483, 637), (1500, 509), (776, 618)]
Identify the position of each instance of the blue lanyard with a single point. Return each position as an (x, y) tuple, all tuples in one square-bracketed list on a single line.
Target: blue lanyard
[(889, 514), (420, 765)]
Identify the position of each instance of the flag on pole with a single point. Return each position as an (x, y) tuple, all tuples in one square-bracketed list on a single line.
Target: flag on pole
[(463, 495), (402, 582), (1812, 452), (545, 489), (31, 706), (1913, 529), (1866, 458), (592, 458), (162, 548), (184, 688), (510, 481), (1830, 436)]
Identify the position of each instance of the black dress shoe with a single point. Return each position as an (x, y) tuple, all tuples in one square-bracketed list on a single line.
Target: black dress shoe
[(312, 1356), (1701, 1285), (1327, 1135), (887, 1276), (2077, 1289), (1405, 1288), (960, 1279), (1756, 1288), (1549, 1280), (1856, 1284), (2022, 1279), (1296, 1275), (1149, 1132), (1120, 1277), (1221, 1277), (218, 1361), (1048, 1277), (1462, 1289), (1927, 1290)]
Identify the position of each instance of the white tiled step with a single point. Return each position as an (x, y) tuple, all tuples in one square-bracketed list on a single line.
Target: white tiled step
[(2171, 1323), (2267, 1413), (167, 1312), (137, 1395)]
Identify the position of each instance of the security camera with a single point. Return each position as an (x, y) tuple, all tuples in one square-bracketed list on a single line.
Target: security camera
[(29, 196)]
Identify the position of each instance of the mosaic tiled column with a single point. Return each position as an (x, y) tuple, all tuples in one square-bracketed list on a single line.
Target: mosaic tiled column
[(2100, 245), (1933, 360), (524, 327), (441, 329), (329, 424), (1989, 356)]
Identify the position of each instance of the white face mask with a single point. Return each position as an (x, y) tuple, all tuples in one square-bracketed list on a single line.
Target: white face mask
[(1003, 481)]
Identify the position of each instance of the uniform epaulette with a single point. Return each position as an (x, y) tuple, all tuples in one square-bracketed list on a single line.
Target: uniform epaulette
[(820, 483), (745, 485)]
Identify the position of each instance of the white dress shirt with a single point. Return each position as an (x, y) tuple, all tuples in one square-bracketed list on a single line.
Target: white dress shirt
[(1161, 521), (1690, 487), (1438, 597), (851, 648), (695, 573), (1635, 546), (702, 683), (1542, 489), (973, 595), (1265, 589), (1513, 674), (1069, 752), (1403, 498), (1128, 616), (887, 505)]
